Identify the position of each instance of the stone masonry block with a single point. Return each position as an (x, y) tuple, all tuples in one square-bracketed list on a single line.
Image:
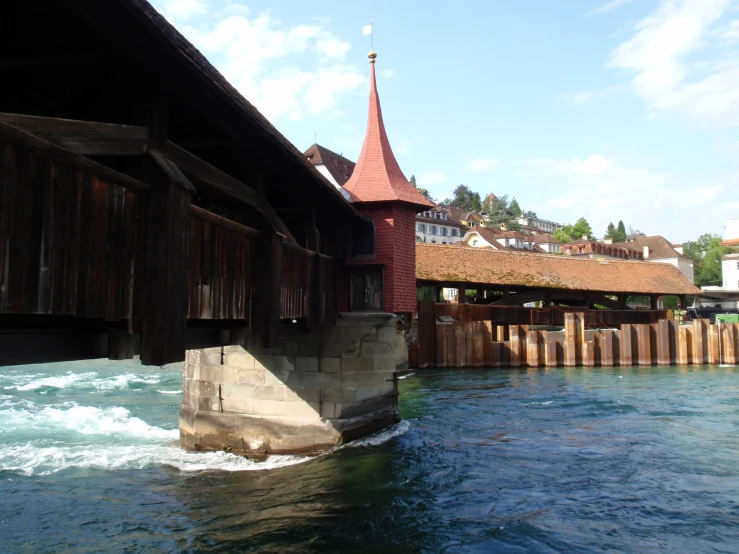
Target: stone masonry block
[(238, 405), (251, 376), (240, 359), (219, 374), (211, 356), (343, 395), (365, 393), (268, 407), (376, 348), (329, 365), (302, 394), (276, 378), (339, 348), (306, 363), (290, 347), (264, 361), (367, 379), (388, 334), (385, 363), (238, 391), (349, 334), (357, 364), (306, 410), (317, 380), (309, 347), (284, 363)]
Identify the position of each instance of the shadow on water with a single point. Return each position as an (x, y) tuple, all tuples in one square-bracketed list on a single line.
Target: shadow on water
[(638, 460)]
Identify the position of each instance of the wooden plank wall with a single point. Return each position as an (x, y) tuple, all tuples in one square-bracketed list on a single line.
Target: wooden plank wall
[(296, 283), (462, 344), (69, 240), (219, 279)]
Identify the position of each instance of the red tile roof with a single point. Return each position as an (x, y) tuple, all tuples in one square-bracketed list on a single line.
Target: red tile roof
[(659, 247), (505, 267), (377, 176)]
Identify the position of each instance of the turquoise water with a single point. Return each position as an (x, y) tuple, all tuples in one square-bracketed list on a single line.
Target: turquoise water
[(599, 460)]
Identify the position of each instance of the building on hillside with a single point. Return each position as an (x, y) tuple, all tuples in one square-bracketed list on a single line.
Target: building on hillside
[(725, 297), (483, 237), (436, 226), (335, 167), (467, 218), (380, 191), (542, 224), (587, 248), (548, 243), (659, 250)]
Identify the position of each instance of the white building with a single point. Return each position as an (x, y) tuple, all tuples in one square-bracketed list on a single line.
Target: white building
[(727, 295), (436, 226), (543, 224)]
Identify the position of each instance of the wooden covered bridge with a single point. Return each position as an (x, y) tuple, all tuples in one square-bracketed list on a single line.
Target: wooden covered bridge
[(145, 205)]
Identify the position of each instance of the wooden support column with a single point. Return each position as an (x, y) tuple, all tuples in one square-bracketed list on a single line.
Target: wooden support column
[(663, 341), (625, 352), (164, 319), (532, 348), (267, 264), (644, 344), (700, 348), (653, 299), (684, 346), (606, 348), (588, 353), (713, 347), (550, 351), (517, 346), (570, 340)]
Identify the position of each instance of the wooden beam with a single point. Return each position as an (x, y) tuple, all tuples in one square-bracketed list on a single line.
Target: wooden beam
[(200, 213), (226, 185), (86, 138), (171, 170), (14, 135)]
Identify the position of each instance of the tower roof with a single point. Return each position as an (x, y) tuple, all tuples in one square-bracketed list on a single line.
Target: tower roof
[(377, 177)]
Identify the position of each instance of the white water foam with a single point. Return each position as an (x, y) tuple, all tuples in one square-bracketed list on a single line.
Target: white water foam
[(383, 436), (407, 375), (83, 380), (169, 391), (86, 420), (29, 459), (59, 382)]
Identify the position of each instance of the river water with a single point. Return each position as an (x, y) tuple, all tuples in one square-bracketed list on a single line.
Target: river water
[(567, 460)]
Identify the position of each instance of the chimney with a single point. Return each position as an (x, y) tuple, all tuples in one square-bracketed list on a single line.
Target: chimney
[(503, 227), (646, 252), (585, 237), (608, 240)]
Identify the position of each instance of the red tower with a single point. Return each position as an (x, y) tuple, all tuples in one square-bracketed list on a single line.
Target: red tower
[(380, 191)]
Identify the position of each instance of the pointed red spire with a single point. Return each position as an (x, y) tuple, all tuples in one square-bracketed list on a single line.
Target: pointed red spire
[(377, 176)]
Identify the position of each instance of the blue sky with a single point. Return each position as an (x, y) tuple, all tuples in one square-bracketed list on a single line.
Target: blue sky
[(620, 109)]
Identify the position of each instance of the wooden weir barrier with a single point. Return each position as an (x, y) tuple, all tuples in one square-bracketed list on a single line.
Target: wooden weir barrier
[(471, 336)]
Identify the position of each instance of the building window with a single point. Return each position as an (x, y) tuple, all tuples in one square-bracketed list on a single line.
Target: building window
[(444, 231), (421, 228), (471, 223), (433, 241), (474, 242), (432, 229), (419, 239), (455, 232)]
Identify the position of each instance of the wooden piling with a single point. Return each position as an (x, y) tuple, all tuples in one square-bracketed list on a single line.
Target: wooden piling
[(683, 346), (644, 344), (625, 349), (517, 346), (713, 347), (532, 348), (663, 342), (588, 354), (605, 348), (700, 354)]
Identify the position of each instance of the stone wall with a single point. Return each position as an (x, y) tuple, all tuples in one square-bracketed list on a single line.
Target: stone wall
[(307, 395)]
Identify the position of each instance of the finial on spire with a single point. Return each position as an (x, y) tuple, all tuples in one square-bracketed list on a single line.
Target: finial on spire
[(372, 55)]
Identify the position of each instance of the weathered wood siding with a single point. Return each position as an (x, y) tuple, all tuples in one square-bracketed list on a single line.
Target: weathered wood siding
[(69, 240), (219, 279)]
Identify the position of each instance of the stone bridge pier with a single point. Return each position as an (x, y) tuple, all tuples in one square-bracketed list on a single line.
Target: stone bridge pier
[(306, 395)]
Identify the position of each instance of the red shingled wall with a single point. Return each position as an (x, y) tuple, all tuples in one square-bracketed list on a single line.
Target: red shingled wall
[(395, 227)]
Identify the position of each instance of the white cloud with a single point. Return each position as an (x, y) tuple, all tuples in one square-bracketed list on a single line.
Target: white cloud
[(587, 96), (286, 72), (431, 178), (184, 9), (386, 73), (482, 164), (604, 190), (662, 53), (610, 6)]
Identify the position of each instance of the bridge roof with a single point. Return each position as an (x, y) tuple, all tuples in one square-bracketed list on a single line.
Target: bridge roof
[(140, 31), (447, 264)]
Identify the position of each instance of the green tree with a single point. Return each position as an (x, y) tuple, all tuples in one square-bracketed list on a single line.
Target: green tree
[(423, 191), (514, 208), (707, 252), (465, 199), (574, 232), (499, 213), (618, 234)]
